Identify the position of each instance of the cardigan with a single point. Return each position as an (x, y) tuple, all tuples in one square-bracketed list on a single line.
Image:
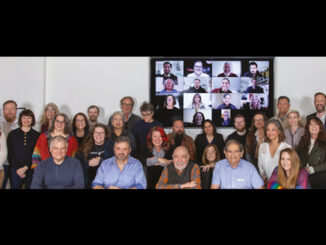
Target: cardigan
[(41, 150), (21, 146)]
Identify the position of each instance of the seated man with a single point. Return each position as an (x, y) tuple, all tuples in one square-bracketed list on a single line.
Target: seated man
[(197, 88), (181, 174), (234, 172), (121, 171), (58, 171), (179, 138)]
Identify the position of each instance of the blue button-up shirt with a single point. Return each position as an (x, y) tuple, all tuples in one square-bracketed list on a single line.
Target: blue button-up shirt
[(244, 176), (109, 174)]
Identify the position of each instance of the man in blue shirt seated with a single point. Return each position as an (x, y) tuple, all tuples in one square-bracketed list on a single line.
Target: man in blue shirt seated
[(234, 172), (58, 171), (121, 171)]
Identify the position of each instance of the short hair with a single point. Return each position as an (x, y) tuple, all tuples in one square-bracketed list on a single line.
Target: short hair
[(224, 95), (127, 97), (146, 107), (167, 62), (58, 138), (26, 113), (226, 79), (253, 63), (94, 106), (233, 142), (8, 102), (240, 115), (117, 113), (123, 139), (319, 93), (283, 97)]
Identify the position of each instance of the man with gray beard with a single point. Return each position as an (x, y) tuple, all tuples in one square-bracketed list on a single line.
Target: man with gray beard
[(182, 174)]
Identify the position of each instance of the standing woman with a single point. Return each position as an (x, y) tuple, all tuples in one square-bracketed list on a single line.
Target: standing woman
[(207, 137), (296, 131), (3, 155), (80, 127), (312, 152), (21, 143), (118, 129), (288, 174), (269, 151), (60, 126), (95, 149), (156, 156), (255, 137), (50, 111)]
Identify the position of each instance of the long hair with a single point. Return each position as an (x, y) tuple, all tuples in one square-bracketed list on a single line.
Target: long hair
[(289, 182), (165, 144), (74, 128), (251, 138), (67, 129), (44, 119), (89, 141), (304, 143), (204, 158), (281, 136)]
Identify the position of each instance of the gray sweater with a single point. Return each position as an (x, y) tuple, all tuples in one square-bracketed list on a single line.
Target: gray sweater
[(49, 175)]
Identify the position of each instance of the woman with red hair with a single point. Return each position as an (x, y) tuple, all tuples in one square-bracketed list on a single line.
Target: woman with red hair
[(156, 156)]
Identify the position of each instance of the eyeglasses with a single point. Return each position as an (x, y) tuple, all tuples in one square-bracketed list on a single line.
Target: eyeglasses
[(99, 133), (80, 121), (259, 120), (146, 114), (125, 104), (230, 152)]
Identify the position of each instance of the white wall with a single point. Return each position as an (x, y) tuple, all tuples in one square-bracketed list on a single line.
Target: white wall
[(74, 83)]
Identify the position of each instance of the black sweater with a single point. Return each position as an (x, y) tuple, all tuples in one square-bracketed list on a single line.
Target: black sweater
[(20, 147)]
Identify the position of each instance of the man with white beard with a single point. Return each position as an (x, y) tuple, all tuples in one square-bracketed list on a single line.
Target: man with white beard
[(182, 174), (320, 103)]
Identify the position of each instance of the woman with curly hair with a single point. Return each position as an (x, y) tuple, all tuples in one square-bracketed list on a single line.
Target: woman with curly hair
[(156, 156)]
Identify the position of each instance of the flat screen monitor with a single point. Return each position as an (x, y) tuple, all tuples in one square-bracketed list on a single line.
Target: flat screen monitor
[(217, 88)]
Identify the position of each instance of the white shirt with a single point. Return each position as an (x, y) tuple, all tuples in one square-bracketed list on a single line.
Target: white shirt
[(3, 150), (267, 163)]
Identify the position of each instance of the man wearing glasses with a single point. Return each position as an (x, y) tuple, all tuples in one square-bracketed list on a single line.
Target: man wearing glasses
[(127, 105), (142, 127)]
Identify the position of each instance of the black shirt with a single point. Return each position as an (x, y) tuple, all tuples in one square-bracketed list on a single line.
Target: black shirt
[(20, 147)]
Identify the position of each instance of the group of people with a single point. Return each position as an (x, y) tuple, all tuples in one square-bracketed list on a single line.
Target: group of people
[(132, 152)]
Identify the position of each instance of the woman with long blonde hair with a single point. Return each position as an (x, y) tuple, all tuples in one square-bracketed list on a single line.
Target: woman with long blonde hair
[(49, 112), (289, 174)]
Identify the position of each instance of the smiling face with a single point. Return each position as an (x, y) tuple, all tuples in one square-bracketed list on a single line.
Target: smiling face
[(208, 128), (50, 112), (122, 151), (225, 85), (211, 154), (9, 112), (157, 139), (198, 68), (320, 103), (59, 123), (117, 121), (313, 129), (233, 154), (272, 132), (259, 121), (293, 119), (80, 122), (26, 121), (286, 161), (180, 158), (58, 151), (99, 135)]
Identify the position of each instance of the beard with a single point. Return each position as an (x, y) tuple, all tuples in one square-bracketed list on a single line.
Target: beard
[(320, 108), (178, 137), (180, 166)]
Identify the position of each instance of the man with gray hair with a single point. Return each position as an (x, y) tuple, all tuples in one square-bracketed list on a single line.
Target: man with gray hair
[(58, 171), (234, 172)]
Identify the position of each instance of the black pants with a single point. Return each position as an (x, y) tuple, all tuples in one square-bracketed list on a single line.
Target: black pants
[(318, 180)]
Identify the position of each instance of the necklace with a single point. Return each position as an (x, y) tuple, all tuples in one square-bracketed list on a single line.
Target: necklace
[(99, 149)]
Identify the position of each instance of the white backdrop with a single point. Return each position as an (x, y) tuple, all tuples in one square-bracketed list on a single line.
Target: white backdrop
[(74, 83)]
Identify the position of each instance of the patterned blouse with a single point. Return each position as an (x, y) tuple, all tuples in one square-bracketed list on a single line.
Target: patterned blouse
[(302, 182)]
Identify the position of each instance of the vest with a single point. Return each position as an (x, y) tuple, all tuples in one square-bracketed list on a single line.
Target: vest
[(185, 176)]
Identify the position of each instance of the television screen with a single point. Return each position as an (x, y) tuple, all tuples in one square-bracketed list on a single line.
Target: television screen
[(217, 88)]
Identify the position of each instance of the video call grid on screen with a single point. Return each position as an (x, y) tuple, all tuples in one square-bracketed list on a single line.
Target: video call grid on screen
[(215, 88)]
